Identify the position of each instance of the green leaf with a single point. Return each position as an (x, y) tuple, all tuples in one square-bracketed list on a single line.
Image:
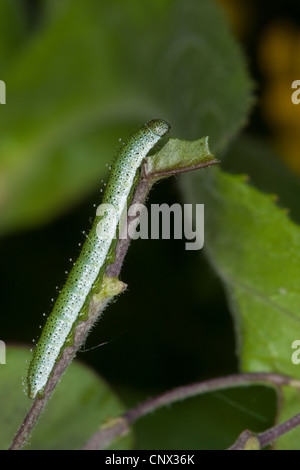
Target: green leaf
[(81, 403), (12, 32), (255, 248), (266, 170), (93, 73), (291, 400), (180, 155)]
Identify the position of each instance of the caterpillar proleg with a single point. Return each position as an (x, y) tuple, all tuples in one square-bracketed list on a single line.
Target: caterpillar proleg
[(74, 297)]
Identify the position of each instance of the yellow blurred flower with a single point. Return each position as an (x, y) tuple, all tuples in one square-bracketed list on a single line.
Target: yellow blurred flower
[(279, 45), (279, 59), (240, 16)]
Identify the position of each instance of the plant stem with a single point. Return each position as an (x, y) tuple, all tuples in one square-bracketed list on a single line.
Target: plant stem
[(66, 358), (139, 197), (120, 427), (267, 437)]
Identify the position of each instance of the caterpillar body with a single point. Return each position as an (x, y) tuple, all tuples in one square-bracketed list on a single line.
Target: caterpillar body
[(73, 299)]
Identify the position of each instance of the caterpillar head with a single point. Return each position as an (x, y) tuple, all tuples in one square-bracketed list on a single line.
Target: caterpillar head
[(159, 127)]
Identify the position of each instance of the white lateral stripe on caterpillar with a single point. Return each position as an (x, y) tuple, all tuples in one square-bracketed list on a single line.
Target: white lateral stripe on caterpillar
[(71, 300)]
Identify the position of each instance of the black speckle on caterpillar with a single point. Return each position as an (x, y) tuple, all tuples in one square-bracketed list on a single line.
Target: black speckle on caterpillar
[(93, 256)]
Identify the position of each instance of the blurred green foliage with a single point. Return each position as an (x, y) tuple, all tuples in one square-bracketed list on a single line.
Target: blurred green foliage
[(93, 71), (82, 402)]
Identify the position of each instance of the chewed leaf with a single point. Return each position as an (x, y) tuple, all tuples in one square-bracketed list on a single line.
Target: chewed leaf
[(180, 155)]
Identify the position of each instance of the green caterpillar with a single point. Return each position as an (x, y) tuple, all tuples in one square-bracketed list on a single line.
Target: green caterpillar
[(93, 257)]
